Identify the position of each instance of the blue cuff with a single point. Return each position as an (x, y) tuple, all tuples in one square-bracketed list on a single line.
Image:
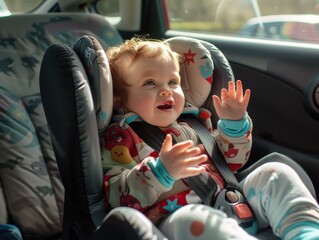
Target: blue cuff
[(161, 173), (234, 128)]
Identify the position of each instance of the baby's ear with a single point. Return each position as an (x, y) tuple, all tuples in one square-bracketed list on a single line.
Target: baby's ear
[(117, 102)]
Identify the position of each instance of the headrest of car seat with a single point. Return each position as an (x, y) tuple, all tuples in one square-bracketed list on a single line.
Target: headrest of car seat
[(196, 71), (93, 57), (204, 70)]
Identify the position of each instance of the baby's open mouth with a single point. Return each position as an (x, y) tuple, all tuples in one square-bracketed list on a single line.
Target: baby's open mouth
[(166, 106)]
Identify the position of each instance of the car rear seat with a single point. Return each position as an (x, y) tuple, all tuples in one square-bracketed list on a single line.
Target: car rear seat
[(31, 192)]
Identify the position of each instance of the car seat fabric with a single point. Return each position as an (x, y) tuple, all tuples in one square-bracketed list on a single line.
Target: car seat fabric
[(29, 176), (30, 185)]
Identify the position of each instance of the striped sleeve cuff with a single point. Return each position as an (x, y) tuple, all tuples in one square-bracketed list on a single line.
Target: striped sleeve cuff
[(234, 128), (161, 173)]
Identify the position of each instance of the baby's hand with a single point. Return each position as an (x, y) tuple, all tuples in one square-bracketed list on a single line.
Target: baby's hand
[(233, 104), (182, 159)]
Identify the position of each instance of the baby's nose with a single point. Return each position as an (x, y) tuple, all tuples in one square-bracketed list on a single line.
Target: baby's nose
[(165, 92)]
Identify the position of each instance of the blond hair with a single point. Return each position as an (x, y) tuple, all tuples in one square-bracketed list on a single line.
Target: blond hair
[(134, 48)]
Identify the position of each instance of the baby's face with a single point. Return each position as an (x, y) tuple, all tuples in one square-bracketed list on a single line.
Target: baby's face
[(155, 93)]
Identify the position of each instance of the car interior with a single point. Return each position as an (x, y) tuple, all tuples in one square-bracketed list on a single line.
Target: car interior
[(54, 76)]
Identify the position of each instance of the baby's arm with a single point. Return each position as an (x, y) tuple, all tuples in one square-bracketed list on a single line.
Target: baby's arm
[(235, 140), (137, 183), (234, 126)]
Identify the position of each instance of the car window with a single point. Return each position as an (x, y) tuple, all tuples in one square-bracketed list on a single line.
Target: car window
[(285, 20), (125, 15), (110, 9), (18, 6), (4, 11)]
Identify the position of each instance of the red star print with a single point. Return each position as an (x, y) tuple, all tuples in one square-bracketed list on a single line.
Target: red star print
[(189, 57)]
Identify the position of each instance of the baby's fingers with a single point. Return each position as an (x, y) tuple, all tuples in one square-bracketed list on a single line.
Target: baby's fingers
[(231, 89), (167, 144), (239, 93), (192, 166), (193, 171), (217, 103), (185, 147), (194, 161), (246, 97)]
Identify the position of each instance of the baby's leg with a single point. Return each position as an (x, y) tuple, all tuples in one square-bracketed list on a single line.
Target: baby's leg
[(201, 222), (279, 198)]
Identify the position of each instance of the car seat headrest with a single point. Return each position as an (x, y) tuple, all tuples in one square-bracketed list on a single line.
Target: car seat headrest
[(93, 57), (197, 68)]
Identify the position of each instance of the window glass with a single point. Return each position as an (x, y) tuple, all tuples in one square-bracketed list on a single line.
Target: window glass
[(290, 20), (124, 14), (4, 11), (110, 9), (20, 6)]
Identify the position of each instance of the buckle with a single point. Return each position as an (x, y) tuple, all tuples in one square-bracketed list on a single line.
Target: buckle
[(234, 204)]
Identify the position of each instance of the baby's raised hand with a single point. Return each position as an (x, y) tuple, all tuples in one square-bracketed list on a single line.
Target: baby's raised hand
[(232, 104), (182, 159)]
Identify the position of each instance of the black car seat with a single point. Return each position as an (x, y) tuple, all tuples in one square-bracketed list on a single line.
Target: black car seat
[(31, 191), (75, 89)]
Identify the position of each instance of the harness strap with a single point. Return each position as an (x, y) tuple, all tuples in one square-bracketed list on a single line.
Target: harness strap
[(211, 147), (203, 185)]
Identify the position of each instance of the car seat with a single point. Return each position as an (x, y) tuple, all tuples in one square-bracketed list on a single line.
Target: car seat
[(31, 191), (76, 91)]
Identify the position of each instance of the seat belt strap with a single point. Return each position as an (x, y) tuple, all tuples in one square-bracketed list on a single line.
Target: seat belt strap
[(211, 147), (203, 185)]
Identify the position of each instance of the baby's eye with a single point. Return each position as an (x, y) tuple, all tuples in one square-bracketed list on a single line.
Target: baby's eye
[(149, 83), (173, 82)]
